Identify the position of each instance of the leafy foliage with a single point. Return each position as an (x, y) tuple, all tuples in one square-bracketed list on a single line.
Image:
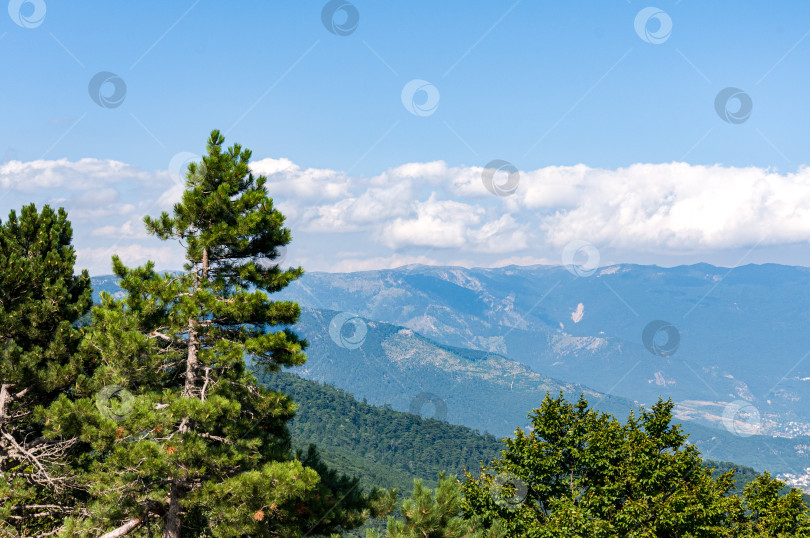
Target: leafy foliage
[(579, 472)]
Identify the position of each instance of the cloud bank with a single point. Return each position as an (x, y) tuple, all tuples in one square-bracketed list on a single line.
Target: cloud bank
[(435, 213)]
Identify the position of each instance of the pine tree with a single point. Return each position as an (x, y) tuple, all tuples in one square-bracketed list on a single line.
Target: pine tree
[(40, 301), (185, 438), (436, 514)]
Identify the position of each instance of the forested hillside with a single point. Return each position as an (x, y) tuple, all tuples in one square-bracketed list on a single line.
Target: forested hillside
[(388, 448), (381, 446)]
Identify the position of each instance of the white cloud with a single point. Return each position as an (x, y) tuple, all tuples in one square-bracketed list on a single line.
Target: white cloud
[(437, 223), (83, 174), (131, 229), (654, 207), (416, 210), (372, 206), (499, 236), (287, 179), (516, 260), (99, 260)]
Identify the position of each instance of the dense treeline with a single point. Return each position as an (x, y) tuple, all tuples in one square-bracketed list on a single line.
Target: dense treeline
[(145, 418)]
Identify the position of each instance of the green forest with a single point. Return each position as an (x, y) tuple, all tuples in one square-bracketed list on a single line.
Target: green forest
[(172, 411)]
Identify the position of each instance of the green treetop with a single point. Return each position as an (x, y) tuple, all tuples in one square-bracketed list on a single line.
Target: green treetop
[(582, 473)]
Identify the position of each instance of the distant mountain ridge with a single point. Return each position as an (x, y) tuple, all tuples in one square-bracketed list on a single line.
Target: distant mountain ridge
[(742, 330)]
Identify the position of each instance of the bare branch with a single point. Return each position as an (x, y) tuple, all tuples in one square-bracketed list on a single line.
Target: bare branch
[(30, 456)]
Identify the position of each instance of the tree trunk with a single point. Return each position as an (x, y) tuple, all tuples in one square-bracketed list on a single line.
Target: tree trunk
[(191, 360), (5, 398), (173, 522)]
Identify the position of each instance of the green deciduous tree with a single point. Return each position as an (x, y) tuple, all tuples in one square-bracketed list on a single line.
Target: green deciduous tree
[(772, 514), (40, 301), (184, 438), (580, 472)]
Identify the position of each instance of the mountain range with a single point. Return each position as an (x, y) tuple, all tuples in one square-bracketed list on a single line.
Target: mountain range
[(739, 345), (481, 347)]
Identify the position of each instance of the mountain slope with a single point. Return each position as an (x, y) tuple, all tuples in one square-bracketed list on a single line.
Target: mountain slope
[(388, 448), (741, 331), (383, 447), (387, 364), (393, 365)]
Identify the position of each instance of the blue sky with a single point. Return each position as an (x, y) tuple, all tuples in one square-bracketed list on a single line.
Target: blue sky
[(546, 86)]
